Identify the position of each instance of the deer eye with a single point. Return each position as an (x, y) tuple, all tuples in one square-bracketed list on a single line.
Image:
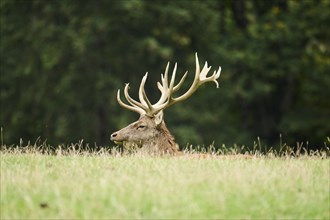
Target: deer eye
[(141, 127)]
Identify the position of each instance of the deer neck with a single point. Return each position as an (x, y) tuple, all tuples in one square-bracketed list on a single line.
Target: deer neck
[(163, 143)]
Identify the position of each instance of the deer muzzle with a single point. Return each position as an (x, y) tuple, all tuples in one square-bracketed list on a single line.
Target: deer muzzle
[(115, 138)]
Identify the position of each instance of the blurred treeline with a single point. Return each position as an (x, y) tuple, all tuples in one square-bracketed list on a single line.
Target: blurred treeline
[(62, 63)]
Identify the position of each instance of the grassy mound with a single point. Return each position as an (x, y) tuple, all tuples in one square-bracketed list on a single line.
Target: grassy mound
[(73, 184)]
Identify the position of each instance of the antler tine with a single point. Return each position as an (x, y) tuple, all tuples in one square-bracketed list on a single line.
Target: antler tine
[(173, 77), (199, 79), (168, 92), (131, 101), (124, 105), (178, 86), (163, 86), (215, 76), (142, 94), (203, 75), (167, 89)]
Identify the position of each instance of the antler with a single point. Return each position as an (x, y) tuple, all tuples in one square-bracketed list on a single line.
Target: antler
[(167, 90)]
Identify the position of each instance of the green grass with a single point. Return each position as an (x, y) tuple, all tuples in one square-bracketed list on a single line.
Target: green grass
[(103, 186)]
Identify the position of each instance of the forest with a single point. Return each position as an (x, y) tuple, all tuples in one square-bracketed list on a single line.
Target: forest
[(62, 63)]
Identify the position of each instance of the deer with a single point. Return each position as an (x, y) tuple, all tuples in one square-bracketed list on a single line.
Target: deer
[(149, 134)]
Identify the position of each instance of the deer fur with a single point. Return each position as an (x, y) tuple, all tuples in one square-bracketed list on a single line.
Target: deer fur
[(147, 135)]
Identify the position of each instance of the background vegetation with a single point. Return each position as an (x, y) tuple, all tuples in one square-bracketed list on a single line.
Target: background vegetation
[(63, 61)]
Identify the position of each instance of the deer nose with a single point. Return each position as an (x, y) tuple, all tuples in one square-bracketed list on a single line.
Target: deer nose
[(113, 135)]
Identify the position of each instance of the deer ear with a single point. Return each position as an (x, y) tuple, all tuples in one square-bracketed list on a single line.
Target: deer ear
[(159, 118)]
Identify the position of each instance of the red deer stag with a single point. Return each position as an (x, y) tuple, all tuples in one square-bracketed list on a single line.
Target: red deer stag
[(149, 134)]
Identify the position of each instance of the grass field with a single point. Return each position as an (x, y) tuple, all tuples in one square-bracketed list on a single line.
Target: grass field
[(104, 186)]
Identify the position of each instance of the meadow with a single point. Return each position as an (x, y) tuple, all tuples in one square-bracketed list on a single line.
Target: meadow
[(105, 185)]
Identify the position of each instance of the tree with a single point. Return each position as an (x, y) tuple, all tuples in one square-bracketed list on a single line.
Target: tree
[(62, 63)]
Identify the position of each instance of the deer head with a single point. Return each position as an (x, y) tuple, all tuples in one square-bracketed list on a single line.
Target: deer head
[(149, 134)]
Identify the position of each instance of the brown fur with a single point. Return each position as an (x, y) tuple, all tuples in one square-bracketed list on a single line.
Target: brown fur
[(145, 136), (214, 156), (149, 134)]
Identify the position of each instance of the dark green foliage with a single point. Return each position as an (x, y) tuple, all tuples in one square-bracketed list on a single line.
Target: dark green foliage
[(63, 61)]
